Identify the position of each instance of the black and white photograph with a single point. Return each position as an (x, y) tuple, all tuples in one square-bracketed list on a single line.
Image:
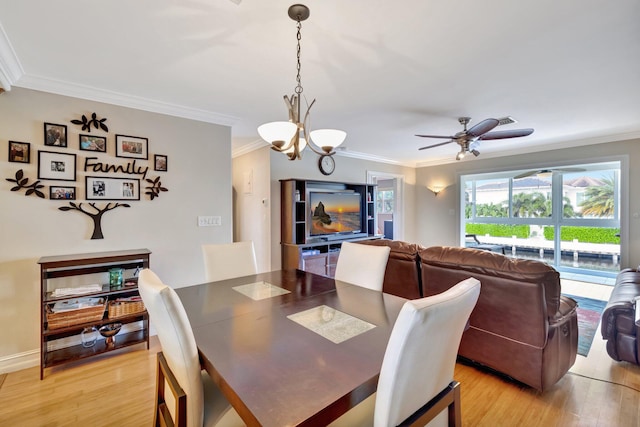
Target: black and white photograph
[(55, 135), (56, 166), (103, 188)]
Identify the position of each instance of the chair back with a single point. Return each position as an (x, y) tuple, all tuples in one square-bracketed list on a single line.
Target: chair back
[(176, 338), (362, 265), (421, 354), (229, 260)]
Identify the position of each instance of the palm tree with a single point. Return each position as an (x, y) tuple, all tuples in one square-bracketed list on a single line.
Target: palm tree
[(599, 200), (530, 205)]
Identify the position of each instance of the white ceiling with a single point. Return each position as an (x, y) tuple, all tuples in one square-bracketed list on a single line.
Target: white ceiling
[(382, 71)]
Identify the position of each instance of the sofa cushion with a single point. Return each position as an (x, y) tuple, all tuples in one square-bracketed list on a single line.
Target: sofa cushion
[(492, 264), (402, 276)]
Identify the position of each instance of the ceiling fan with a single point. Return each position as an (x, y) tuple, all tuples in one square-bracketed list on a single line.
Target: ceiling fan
[(468, 139), (547, 172)]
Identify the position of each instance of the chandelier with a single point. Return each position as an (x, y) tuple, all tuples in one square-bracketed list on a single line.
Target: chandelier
[(293, 136)]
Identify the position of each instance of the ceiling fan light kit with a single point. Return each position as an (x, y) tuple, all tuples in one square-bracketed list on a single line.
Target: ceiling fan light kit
[(468, 139), (292, 137)]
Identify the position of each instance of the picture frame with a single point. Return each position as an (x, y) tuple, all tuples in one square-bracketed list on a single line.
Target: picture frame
[(133, 147), (19, 152), (55, 135), (160, 162), (62, 193), (103, 188), (56, 166), (92, 143)]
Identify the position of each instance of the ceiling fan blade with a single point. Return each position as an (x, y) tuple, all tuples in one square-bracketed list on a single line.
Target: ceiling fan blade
[(436, 136), (435, 145), (547, 171), (502, 134), (483, 127), (526, 174)]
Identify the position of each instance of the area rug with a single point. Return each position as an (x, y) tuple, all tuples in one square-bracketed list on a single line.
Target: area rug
[(589, 312)]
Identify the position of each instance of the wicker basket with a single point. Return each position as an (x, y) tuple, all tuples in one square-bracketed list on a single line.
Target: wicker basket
[(120, 308), (75, 317)]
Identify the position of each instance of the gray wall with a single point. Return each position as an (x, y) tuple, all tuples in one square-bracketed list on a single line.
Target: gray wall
[(439, 223), (198, 179)]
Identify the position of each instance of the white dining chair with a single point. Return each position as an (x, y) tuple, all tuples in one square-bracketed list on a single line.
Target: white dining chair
[(416, 379), (229, 260), (362, 265), (195, 400)]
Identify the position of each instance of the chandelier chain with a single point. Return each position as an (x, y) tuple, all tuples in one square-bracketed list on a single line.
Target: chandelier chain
[(299, 37)]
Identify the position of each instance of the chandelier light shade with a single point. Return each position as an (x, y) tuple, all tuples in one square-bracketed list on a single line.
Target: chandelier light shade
[(293, 136)]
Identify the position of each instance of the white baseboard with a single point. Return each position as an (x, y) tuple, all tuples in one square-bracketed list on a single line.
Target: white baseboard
[(16, 362)]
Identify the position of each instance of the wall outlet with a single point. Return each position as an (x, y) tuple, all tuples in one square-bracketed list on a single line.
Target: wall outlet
[(209, 221)]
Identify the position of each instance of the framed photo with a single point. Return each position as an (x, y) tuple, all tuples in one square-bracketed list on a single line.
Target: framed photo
[(19, 152), (55, 135), (102, 188), (132, 146), (62, 193), (160, 163), (56, 166), (93, 143)]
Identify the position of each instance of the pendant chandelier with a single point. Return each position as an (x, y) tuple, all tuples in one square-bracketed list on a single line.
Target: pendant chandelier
[(293, 136)]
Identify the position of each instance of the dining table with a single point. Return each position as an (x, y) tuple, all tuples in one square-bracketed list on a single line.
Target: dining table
[(289, 347)]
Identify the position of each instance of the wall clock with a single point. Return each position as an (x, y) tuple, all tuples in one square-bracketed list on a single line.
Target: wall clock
[(326, 164)]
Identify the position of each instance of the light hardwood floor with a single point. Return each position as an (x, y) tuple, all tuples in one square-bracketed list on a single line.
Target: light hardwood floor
[(118, 390)]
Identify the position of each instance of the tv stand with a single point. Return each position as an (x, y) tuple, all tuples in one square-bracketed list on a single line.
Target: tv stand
[(319, 254)]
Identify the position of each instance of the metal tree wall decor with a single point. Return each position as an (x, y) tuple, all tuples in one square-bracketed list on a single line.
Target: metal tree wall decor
[(86, 123), (95, 216), (21, 183), (102, 187), (155, 188)]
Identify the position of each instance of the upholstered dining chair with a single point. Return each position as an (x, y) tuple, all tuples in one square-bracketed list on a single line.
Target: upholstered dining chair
[(194, 401), (416, 379), (229, 260), (362, 265)]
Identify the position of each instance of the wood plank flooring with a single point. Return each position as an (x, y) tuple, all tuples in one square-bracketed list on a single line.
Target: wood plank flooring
[(118, 390)]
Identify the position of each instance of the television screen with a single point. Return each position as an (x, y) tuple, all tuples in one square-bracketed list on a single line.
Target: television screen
[(334, 213)]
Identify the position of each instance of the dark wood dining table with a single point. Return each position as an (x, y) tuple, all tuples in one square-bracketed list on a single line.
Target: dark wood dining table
[(276, 372)]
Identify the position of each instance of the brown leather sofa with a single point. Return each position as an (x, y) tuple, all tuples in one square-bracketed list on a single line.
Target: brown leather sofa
[(620, 322), (521, 325)]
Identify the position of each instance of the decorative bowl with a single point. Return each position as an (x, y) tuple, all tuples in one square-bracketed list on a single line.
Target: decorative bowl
[(109, 331)]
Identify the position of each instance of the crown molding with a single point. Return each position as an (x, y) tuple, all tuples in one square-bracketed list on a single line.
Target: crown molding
[(371, 158), (101, 95), (10, 67), (249, 147)]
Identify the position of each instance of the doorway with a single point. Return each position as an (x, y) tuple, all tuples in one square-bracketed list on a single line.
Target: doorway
[(389, 203)]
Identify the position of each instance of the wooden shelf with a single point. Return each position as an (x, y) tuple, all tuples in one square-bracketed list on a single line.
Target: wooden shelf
[(77, 352), (60, 267)]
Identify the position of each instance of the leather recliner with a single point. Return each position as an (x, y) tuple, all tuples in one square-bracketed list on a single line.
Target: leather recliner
[(621, 318)]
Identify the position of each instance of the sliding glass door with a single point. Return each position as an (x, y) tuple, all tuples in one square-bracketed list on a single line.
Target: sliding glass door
[(567, 217)]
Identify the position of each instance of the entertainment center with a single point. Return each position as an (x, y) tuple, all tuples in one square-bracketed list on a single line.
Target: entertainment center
[(317, 216)]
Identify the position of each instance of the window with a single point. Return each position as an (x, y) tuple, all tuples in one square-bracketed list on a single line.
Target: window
[(568, 218), (385, 201)]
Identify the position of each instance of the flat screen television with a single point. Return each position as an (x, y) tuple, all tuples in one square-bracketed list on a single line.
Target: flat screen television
[(334, 213)]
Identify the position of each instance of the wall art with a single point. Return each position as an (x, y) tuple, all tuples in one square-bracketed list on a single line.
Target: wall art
[(160, 163), (132, 147), (55, 135), (56, 166), (96, 215), (62, 193), (87, 123), (19, 152), (22, 183), (102, 188), (93, 143), (155, 188)]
